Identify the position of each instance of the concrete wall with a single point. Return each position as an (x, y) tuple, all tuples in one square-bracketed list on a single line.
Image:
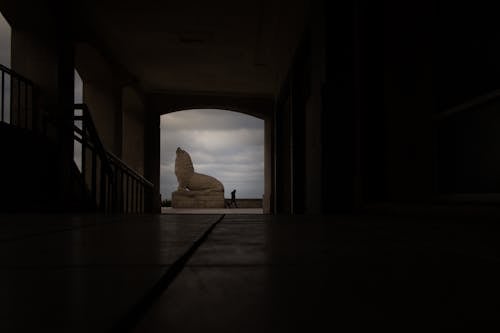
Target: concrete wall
[(467, 147), (133, 109), (368, 109), (314, 106), (102, 94), (409, 101), (35, 56), (42, 51)]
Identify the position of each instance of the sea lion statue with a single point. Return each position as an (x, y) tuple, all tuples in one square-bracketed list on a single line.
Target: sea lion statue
[(195, 190), (190, 180)]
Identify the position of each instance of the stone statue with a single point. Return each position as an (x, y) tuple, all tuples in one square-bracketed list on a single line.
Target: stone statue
[(195, 190), (190, 180)]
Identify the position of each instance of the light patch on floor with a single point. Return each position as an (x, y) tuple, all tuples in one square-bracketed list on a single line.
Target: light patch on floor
[(170, 210)]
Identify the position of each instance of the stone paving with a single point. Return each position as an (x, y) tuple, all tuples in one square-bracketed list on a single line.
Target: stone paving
[(169, 210), (82, 274), (248, 273)]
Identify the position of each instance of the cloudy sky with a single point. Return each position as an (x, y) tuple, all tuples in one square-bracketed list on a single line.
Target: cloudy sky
[(77, 153), (226, 145), (4, 42), (5, 37)]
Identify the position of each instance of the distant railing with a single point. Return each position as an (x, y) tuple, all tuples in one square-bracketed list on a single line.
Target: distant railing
[(17, 100), (466, 154), (114, 186), (469, 105)]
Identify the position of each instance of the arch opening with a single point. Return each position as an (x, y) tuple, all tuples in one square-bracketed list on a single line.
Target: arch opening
[(224, 144)]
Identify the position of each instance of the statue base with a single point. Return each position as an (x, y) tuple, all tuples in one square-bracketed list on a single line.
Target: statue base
[(196, 199)]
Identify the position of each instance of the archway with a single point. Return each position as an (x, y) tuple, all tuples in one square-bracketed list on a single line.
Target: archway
[(225, 144), (164, 102)]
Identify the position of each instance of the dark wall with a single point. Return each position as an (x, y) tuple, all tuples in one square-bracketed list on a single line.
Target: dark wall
[(341, 74), (283, 153), (390, 68), (291, 140), (467, 125), (467, 51), (42, 51), (468, 150), (356, 118), (408, 99)]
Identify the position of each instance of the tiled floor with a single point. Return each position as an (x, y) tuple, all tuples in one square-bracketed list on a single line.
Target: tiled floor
[(252, 273), (82, 274)]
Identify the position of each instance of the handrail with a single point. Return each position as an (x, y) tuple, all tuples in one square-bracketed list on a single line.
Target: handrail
[(473, 103), (114, 186), (17, 100), (86, 117), (134, 173), (12, 72), (122, 189)]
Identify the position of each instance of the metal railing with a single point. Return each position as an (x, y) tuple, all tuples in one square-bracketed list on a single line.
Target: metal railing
[(17, 100), (469, 105), (114, 186), (466, 155)]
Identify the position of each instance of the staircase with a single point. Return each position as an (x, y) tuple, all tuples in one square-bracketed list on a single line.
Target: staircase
[(114, 186), (30, 164)]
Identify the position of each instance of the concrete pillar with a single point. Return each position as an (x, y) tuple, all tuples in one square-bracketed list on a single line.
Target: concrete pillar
[(152, 159), (268, 200), (313, 158), (409, 100), (341, 118), (291, 145), (300, 92), (117, 95), (65, 115), (102, 92), (133, 129), (47, 58), (283, 153)]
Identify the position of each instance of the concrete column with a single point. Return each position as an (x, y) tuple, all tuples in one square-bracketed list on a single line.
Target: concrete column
[(133, 129), (267, 202), (314, 106), (102, 92), (47, 58), (341, 114), (66, 67), (300, 92), (408, 100), (283, 155), (152, 159), (117, 93)]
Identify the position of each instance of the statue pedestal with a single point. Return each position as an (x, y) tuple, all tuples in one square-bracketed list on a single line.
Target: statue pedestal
[(195, 199)]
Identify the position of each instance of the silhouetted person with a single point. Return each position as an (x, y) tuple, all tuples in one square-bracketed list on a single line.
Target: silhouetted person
[(233, 199)]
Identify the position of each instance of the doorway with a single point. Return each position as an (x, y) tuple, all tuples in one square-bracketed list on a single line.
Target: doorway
[(223, 144)]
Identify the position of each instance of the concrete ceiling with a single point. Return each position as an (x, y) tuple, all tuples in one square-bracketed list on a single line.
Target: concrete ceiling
[(198, 45)]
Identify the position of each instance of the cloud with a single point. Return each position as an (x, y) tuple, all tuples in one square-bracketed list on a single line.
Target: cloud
[(78, 89), (211, 119), (226, 145), (5, 41)]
